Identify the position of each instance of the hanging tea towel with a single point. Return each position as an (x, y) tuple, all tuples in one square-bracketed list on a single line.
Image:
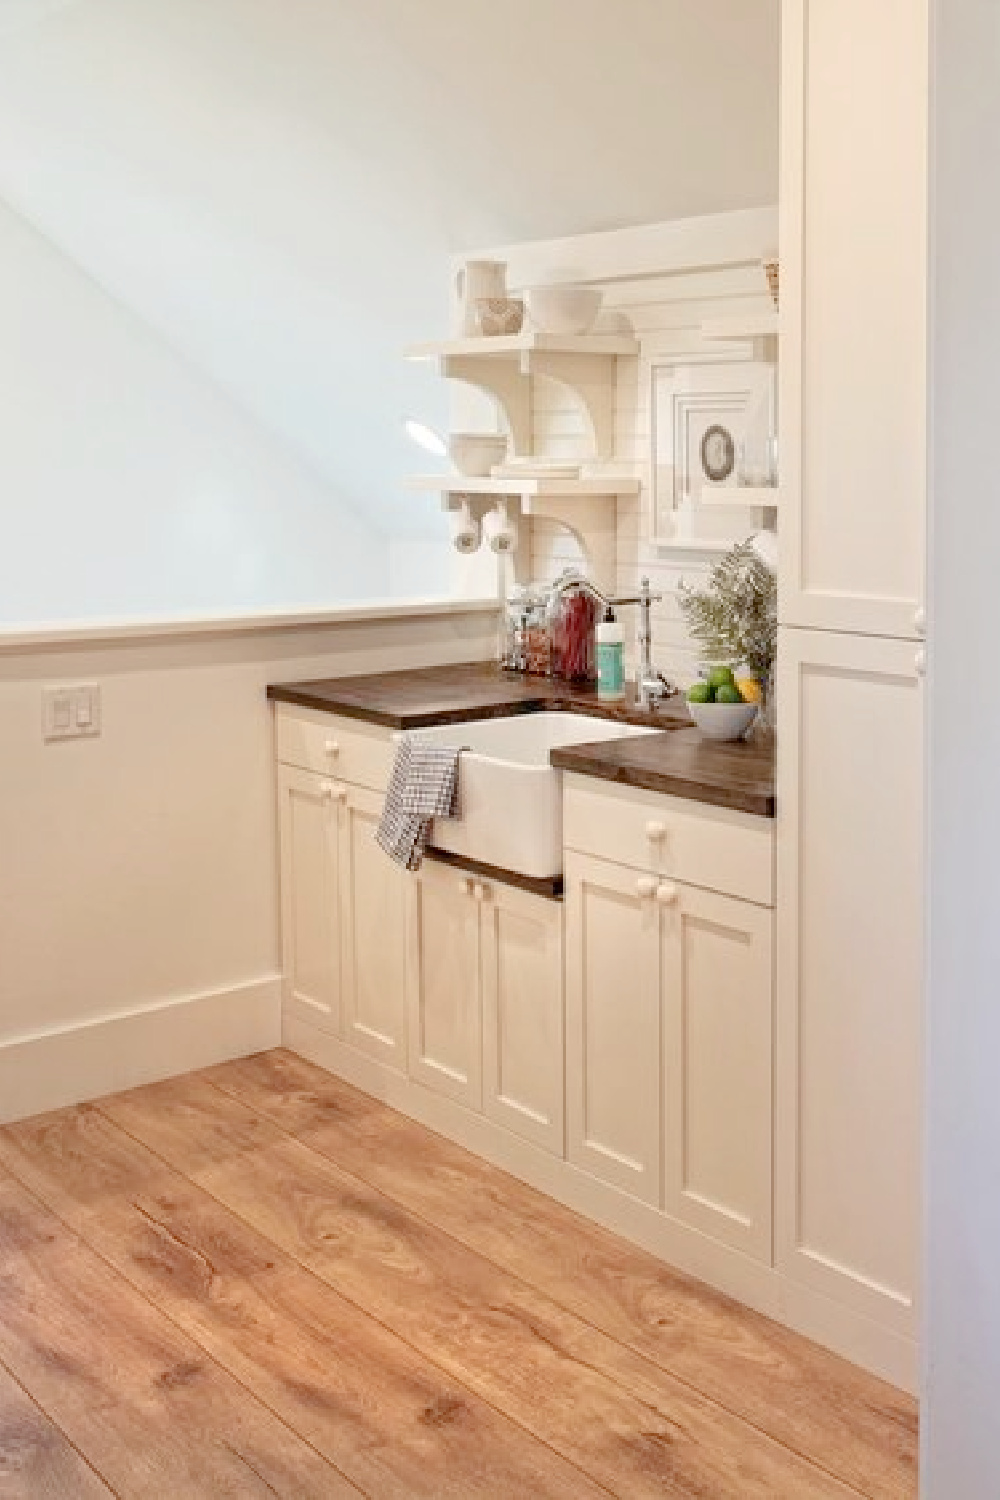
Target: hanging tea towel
[(423, 786)]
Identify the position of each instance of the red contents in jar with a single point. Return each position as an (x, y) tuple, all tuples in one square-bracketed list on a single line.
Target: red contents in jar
[(574, 653)]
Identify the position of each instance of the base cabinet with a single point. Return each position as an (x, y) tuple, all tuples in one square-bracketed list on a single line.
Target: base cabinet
[(444, 1010), (372, 920), (522, 970), (613, 1025), (309, 842), (669, 1042), (850, 871)]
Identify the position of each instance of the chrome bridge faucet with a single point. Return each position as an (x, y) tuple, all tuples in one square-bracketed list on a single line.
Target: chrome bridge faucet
[(651, 685)]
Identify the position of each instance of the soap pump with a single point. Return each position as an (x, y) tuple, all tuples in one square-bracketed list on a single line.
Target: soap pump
[(610, 657)]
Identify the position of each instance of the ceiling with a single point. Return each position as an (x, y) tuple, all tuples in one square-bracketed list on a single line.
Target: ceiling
[(274, 185)]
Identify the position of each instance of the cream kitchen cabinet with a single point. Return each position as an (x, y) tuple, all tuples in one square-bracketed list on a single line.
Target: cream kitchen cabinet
[(342, 900), (669, 1041), (310, 874), (853, 371), (485, 999), (850, 977)]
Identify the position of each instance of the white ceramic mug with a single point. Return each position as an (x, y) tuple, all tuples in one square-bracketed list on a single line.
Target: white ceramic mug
[(476, 279)]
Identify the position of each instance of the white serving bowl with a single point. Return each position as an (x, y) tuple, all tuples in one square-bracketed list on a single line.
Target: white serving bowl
[(475, 453), (563, 309), (723, 721)]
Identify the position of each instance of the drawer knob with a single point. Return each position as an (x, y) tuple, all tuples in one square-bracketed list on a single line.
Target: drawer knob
[(920, 621), (656, 831), (666, 894), (331, 747), (645, 886), (920, 663)]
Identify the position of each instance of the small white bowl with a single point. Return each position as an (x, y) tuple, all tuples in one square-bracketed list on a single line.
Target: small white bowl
[(723, 721), (563, 309), (475, 453)]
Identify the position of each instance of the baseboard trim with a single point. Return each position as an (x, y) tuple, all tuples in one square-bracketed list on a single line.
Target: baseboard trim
[(72, 1064), (765, 1289)]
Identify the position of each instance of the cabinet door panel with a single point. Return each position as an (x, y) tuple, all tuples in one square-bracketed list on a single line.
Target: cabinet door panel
[(717, 988), (850, 862), (853, 369), (310, 897), (613, 1026), (443, 979), (374, 934), (523, 1015)]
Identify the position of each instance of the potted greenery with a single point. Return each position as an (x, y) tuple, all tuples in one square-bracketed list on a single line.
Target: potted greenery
[(734, 619)]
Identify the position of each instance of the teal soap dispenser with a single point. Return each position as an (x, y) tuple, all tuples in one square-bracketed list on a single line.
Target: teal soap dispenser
[(610, 657)]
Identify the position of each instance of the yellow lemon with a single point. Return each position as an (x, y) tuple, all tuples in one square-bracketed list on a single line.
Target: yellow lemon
[(750, 689)]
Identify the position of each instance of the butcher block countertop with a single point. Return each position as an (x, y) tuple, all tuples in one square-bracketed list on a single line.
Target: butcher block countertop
[(680, 762)]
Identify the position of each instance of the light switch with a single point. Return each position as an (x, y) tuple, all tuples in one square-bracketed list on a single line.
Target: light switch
[(72, 712)]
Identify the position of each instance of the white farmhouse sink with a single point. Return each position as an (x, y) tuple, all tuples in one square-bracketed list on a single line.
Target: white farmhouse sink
[(510, 798)]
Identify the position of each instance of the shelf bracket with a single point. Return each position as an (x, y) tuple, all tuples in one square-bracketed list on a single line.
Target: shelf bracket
[(502, 380), (592, 382)]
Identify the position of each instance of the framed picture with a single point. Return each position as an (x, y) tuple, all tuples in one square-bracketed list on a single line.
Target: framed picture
[(712, 432)]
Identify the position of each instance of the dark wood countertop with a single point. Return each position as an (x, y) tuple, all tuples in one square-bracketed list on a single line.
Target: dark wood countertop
[(456, 694), (680, 763), (736, 774)]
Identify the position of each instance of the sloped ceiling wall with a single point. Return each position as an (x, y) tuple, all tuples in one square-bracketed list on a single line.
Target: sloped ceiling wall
[(274, 185)]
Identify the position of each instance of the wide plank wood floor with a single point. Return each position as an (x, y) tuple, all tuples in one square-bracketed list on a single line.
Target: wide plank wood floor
[(257, 1281)]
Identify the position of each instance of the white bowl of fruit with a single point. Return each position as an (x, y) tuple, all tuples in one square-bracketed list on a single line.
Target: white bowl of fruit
[(721, 707)]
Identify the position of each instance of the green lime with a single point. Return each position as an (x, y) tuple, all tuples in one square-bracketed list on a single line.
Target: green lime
[(727, 693), (700, 693), (720, 677)]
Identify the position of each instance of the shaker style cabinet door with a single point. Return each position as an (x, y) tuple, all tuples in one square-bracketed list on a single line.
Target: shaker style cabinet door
[(850, 894), (523, 1014), (309, 838), (444, 993), (613, 1035), (718, 1030), (373, 924), (853, 315)]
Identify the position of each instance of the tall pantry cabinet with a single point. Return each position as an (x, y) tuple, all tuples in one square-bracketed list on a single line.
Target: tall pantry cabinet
[(854, 175)]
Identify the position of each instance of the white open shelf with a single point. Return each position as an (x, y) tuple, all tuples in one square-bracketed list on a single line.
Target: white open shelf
[(766, 497), (531, 342), (757, 326), (536, 487)]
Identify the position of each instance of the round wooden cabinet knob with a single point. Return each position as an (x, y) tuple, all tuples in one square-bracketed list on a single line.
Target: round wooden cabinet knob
[(656, 832), (645, 886), (331, 747), (666, 894)]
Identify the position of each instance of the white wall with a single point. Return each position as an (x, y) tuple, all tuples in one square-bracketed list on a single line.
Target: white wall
[(274, 186), (131, 484), (960, 1413), (138, 883)]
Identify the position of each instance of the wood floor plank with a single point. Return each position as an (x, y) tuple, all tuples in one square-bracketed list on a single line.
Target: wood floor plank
[(621, 1419), (821, 1406), (37, 1461), (391, 1421), (136, 1398)]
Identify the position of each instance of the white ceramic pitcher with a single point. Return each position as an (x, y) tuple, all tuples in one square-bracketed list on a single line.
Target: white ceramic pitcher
[(477, 278)]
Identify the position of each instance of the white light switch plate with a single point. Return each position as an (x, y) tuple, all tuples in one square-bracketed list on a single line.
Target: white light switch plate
[(72, 712)]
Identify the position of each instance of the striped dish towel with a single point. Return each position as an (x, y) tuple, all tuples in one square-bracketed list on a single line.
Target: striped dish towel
[(423, 786)]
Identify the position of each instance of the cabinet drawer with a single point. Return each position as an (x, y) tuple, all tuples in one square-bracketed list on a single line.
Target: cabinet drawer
[(704, 846), (346, 749)]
